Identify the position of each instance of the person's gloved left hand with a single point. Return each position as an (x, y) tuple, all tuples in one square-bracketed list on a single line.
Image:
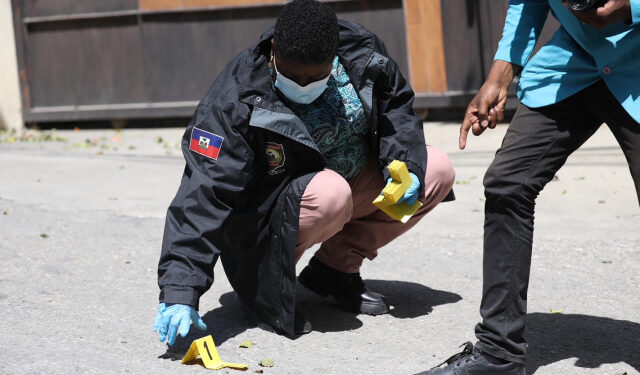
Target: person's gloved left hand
[(173, 317), (411, 195)]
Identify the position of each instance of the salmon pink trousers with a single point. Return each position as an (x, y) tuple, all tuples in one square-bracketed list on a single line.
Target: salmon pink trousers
[(340, 214)]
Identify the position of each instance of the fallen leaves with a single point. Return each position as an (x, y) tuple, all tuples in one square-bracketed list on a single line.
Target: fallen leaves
[(246, 344), (44, 235), (30, 136), (466, 182), (552, 311), (100, 142), (267, 362)]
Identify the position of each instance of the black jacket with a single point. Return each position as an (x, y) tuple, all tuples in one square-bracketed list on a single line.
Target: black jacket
[(244, 206)]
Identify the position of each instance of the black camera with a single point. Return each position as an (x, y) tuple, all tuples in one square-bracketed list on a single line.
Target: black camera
[(584, 4)]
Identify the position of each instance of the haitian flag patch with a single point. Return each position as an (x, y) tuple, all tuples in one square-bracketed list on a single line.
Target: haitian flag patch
[(205, 143)]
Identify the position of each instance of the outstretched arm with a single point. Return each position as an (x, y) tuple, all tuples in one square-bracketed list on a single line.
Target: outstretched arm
[(193, 234), (523, 24)]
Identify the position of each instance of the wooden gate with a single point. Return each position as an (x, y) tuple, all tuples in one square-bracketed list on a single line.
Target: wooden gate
[(124, 59)]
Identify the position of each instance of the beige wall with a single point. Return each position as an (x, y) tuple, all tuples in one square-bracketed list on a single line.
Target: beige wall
[(10, 111)]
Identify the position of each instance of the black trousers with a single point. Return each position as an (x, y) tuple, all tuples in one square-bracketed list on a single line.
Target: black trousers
[(534, 148)]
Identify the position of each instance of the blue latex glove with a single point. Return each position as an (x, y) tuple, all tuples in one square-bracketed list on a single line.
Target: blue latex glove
[(411, 195), (173, 317)]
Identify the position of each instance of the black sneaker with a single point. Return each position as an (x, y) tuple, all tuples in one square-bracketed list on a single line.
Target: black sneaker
[(301, 325), (347, 288), (473, 362)]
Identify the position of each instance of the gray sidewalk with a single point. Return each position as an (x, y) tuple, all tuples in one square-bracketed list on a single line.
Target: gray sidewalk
[(81, 223)]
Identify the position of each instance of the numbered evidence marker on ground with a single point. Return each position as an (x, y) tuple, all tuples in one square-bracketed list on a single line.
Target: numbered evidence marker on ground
[(401, 180), (206, 348)]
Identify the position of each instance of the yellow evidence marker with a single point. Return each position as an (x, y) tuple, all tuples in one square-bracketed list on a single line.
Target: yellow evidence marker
[(209, 355), (401, 181)]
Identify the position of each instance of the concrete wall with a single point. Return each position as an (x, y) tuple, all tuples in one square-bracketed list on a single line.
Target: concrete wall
[(10, 106)]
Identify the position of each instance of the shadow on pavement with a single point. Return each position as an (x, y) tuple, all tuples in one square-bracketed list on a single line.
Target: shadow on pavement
[(326, 317), (411, 300), (406, 299), (594, 341)]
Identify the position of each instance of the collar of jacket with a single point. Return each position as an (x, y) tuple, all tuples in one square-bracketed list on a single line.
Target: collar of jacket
[(357, 54)]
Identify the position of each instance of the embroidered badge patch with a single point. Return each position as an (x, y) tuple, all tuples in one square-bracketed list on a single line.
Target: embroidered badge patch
[(275, 158), (205, 143)]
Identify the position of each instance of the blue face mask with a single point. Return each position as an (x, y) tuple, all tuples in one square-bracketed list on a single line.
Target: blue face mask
[(300, 94)]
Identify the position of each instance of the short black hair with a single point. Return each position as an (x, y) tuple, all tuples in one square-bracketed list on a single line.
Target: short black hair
[(306, 32)]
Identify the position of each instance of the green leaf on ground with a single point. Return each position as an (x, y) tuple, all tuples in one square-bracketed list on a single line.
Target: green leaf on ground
[(555, 311), (463, 182), (267, 362), (247, 344), (44, 235), (606, 261)]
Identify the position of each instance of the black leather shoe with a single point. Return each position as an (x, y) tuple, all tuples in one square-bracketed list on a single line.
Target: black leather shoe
[(301, 324), (347, 288), (472, 362)]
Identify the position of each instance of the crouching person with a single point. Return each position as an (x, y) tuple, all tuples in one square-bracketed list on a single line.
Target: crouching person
[(288, 149)]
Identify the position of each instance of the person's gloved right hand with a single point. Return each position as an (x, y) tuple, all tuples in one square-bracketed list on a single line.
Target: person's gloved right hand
[(173, 317), (411, 195)]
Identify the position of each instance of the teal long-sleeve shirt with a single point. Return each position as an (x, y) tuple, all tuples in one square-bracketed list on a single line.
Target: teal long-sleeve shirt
[(577, 56)]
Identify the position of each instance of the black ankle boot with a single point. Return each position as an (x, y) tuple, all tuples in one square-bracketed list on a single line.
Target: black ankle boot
[(347, 288), (473, 362)]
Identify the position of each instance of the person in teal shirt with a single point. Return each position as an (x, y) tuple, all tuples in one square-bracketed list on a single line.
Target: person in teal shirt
[(586, 75), (577, 56)]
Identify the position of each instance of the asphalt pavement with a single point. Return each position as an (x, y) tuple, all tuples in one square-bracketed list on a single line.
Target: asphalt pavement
[(81, 221)]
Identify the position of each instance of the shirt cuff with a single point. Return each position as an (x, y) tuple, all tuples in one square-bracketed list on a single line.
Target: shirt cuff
[(635, 11), (504, 54), (180, 294)]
